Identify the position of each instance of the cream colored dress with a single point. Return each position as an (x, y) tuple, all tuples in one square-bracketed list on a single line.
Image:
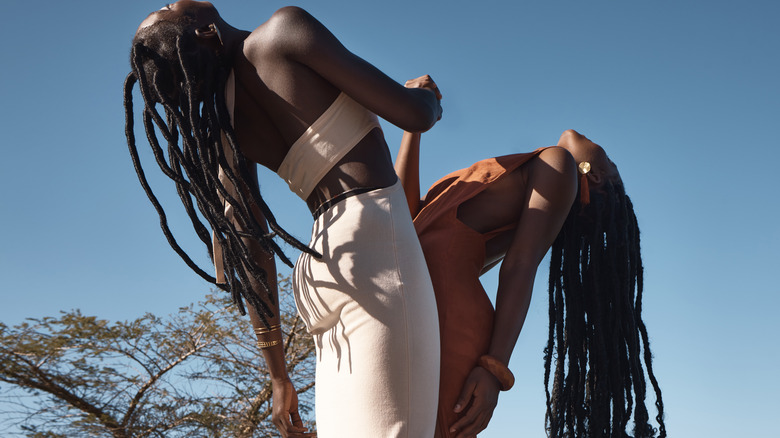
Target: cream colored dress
[(368, 301)]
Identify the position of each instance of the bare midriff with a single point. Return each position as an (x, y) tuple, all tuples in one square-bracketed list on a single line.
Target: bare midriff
[(368, 164)]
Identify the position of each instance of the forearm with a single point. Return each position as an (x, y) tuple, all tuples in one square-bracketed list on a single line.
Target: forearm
[(512, 302), (275, 361), (407, 166), (269, 338)]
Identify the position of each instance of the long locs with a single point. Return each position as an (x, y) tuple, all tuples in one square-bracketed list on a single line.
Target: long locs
[(597, 339), (196, 116)]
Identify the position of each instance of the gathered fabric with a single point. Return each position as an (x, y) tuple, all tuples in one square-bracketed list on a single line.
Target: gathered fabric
[(339, 129), (369, 304)]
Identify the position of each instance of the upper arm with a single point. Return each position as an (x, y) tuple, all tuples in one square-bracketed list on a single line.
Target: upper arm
[(552, 186), (248, 182), (301, 38)]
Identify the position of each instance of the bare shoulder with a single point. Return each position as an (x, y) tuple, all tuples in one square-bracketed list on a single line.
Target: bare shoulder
[(289, 30), (287, 19), (554, 176), (559, 157), (555, 162), (293, 15)]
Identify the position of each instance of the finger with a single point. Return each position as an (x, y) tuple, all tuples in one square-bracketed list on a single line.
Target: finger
[(296, 418), (465, 396), (430, 83), (286, 427), (467, 419), (471, 429), (433, 87), (480, 423), (297, 429)]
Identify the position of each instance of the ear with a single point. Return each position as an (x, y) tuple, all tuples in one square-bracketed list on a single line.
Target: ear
[(595, 178)]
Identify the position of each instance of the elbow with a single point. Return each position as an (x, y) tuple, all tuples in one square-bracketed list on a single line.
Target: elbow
[(418, 124), (423, 113)]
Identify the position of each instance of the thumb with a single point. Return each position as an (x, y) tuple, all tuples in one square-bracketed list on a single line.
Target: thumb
[(296, 418)]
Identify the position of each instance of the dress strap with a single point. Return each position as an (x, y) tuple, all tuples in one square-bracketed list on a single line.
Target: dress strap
[(230, 101)]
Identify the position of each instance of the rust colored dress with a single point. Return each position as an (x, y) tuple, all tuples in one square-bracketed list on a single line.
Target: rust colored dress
[(455, 254)]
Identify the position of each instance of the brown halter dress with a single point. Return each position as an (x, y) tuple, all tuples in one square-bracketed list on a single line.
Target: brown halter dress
[(455, 254)]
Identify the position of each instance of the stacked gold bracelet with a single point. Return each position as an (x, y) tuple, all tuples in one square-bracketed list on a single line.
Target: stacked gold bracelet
[(499, 370), (262, 344), (266, 330), (263, 330)]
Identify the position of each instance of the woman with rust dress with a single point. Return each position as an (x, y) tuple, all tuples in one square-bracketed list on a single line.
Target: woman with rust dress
[(511, 210)]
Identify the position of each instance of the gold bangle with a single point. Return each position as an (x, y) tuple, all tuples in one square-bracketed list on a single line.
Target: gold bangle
[(269, 344), (499, 370), (264, 330)]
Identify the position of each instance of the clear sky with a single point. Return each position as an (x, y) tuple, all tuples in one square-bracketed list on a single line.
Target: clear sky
[(684, 95)]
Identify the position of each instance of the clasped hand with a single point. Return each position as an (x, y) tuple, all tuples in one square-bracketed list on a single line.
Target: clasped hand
[(477, 400), (426, 82)]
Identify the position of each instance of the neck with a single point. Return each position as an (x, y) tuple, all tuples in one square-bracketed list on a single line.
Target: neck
[(232, 39)]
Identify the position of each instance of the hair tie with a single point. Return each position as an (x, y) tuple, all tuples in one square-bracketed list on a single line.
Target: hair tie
[(584, 169), (499, 370)]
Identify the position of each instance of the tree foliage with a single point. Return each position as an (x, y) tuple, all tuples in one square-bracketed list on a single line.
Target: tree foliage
[(194, 373)]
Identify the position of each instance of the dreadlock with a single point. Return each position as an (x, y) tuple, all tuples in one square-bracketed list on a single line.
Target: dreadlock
[(188, 81), (597, 338)]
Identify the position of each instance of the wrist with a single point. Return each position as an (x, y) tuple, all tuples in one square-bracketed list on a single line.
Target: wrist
[(280, 380), (499, 370)]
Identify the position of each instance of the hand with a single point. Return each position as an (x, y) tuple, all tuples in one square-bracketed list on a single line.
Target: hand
[(427, 83), (285, 414), (424, 82), (478, 397)]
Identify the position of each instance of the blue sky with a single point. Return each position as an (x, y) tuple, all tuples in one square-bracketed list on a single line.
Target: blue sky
[(683, 95)]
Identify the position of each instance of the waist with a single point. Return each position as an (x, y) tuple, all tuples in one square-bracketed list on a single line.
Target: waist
[(325, 206), (365, 167), (355, 207)]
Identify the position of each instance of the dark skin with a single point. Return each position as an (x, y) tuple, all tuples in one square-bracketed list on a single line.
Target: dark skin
[(288, 71), (537, 197)]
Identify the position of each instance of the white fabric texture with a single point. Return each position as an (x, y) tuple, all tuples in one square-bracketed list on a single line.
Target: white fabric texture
[(324, 143), (369, 304)]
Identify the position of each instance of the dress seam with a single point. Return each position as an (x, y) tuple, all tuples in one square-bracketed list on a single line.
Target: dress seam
[(406, 320)]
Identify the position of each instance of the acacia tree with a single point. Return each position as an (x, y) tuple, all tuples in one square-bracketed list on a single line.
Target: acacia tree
[(194, 373)]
